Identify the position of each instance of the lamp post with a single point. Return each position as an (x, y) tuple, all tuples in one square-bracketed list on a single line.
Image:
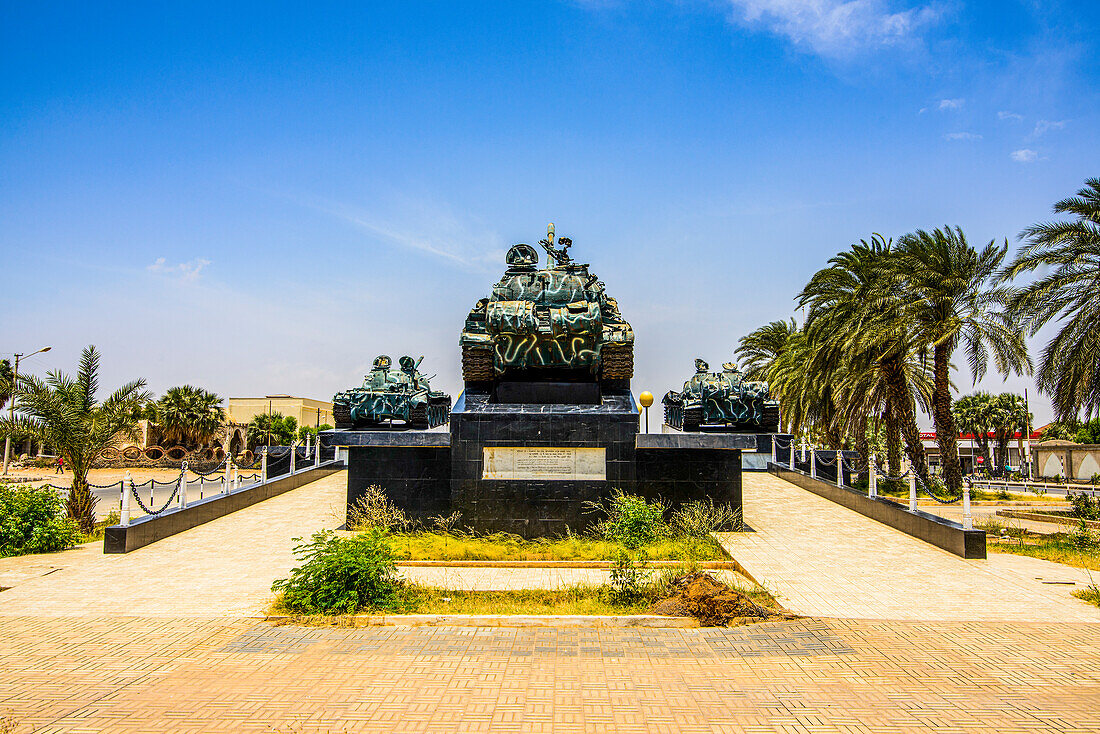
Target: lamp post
[(646, 399), (11, 406)]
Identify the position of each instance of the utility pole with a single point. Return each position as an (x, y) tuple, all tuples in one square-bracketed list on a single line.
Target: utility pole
[(11, 403)]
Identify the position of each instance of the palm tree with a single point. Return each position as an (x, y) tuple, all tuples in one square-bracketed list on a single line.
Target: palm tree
[(1069, 367), (861, 319), (953, 298), (271, 429), (759, 349), (975, 414), (6, 378), (62, 412), (189, 416)]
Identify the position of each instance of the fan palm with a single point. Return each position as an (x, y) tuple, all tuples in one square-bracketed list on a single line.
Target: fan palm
[(189, 415), (953, 298), (271, 428), (6, 380), (62, 412), (1069, 367)]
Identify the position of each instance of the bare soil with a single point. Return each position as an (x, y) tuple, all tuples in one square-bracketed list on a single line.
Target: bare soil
[(710, 601)]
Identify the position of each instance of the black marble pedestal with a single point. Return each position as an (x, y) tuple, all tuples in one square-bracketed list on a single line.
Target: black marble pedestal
[(537, 507), (429, 473)]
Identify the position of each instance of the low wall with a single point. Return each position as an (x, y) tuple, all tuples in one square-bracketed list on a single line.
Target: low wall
[(921, 525), (149, 529)]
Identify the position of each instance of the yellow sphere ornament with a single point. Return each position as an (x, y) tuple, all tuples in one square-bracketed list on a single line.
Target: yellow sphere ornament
[(646, 399)]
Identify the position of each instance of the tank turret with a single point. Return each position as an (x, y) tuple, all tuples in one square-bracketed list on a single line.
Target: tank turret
[(723, 401), (389, 394), (555, 320)]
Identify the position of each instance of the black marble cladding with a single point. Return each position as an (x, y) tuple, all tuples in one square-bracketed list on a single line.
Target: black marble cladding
[(416, 478), (431, 473)]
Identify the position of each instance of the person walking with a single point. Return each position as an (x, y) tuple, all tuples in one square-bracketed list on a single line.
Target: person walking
[(60, 465)]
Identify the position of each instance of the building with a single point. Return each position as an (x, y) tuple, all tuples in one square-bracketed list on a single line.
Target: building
[(307, 411), (1064, 459), (970, 452)]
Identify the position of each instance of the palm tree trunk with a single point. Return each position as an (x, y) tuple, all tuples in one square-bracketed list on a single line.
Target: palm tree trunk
[(893, 440), (947, 435), (80, 504), (902, 402)]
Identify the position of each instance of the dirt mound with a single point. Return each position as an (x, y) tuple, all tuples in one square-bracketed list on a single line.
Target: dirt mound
[(710, 601)]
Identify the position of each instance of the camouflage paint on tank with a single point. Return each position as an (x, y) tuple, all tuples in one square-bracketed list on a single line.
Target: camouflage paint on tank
[(391, 394), (557, 317), (721, 399)]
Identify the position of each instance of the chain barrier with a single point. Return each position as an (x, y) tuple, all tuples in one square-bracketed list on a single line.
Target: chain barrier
[(825, 462), (175, 493), (930, 493), (779, 443), (215, 470)]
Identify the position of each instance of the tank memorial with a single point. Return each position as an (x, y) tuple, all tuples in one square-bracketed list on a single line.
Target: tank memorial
[(546, 423)]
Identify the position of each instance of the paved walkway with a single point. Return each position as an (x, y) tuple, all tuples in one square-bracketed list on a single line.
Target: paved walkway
[(823, 560), (188, 675)]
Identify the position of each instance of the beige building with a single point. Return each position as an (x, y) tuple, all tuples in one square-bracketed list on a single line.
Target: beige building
[(307, 411), (1067, 459)]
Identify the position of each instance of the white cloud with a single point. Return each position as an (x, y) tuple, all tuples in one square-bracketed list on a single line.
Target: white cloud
[(951, 104), (1044, 125), (836, 27), (1006, 115), (1024, 155), (962, 136), (188, 271)]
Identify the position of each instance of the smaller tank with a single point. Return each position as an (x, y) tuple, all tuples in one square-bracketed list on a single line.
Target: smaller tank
[(723, 401), (391, 394)]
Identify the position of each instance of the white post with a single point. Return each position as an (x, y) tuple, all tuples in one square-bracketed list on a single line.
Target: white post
[(317, 452), (803, 448), (872, 477), (263, 464), (773, 450), (968, 520), (124, 515), (230, 472), (293, 456), (813, 463), (183, 491), (912, 491), (839, 469), (239, 480)]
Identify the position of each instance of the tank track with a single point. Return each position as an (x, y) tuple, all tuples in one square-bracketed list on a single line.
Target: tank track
[(617, 361), (341, 413), (430, 415), (693, 418), (477, 364), (418, 416)]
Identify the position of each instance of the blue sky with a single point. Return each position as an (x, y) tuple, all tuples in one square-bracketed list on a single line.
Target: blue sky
[(259, 198)]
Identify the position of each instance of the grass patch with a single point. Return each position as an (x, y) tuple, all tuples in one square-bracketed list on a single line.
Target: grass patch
[(437, 546), (1090, 594), (574, 600), (1058, 551)]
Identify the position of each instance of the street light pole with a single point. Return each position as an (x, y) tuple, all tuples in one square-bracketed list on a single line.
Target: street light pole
[(11, 404)]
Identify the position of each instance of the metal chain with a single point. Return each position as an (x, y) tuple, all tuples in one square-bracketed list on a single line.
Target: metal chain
[(146, 508), (930, 493), (212, 471)]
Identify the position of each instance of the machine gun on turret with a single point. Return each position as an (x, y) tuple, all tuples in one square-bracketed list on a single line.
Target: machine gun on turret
[(561, 256)]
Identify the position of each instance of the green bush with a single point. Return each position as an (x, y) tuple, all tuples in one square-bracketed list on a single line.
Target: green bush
[(341, 575), (631, 520), (32, 520), (628, 575), (373, 509), (1084, 506)]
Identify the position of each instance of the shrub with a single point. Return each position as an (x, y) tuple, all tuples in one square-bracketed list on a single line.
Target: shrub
[(374, 510), (32, 520), (340, 575), (627, 576), (631, 520), (700, 518), (1084, 506)]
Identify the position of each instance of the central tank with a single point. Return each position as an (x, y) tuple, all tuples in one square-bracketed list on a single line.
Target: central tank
[(552, 322)]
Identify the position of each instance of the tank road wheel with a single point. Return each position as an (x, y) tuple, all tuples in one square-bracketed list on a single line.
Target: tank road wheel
[(617, 361), (418, 416), (477, 364), (693, 417), (341, 413)]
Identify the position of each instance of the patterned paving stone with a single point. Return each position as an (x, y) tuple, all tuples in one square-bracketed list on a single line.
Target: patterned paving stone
[(141, 675)]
